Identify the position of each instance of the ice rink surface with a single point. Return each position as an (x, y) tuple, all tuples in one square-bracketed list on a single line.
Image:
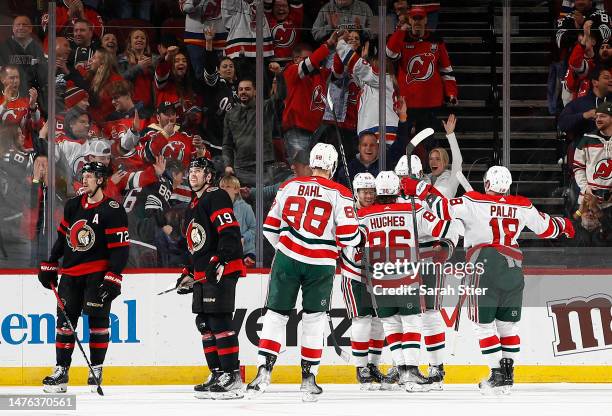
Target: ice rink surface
[(338, 400)]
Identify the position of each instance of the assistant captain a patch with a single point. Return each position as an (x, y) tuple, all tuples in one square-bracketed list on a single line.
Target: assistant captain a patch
[(196, 237)]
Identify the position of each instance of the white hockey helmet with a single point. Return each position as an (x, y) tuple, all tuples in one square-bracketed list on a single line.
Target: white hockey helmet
[(401, 169), (387, 183), (324, 156), (497, 179), (364, 180)]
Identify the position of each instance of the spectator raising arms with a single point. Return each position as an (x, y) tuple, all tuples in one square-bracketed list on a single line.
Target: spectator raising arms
[(67, 16), (342, 14), (306, 81), (221, 90), (137, 65), (239, 17)]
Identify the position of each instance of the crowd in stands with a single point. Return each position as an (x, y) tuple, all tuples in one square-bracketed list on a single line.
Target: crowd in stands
[(580, 94)]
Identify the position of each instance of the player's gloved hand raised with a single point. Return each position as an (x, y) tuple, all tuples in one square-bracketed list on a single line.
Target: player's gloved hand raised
[(214, 270), (185, 282), (110, 287), (568, 228), (47, 274)]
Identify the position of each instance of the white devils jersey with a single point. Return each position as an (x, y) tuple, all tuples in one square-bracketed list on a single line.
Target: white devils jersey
[(497, 221), (391, 238), (310, 217)]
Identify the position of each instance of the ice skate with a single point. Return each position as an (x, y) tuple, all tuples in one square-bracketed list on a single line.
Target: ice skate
[(391, 380), (365, 378), (202, 391), (494, 384), (261, 382), (436, 376), (309, 388), (56, 382), (375, 372), (507, 366), (228, 386), (91, 382), (412, 379)]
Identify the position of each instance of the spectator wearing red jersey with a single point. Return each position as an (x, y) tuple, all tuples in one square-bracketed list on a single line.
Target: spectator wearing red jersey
[(425, 74), (18, 110), (137, 65), (285, 18), (123, 126), (175, 83), (70, 12), (102, 72), (306, 81)]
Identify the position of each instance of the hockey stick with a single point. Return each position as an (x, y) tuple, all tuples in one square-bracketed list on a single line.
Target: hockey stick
[(62, 308), (463, 181), (343, 354)]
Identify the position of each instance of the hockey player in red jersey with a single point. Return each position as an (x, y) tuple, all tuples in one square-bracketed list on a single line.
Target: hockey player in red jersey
[(309, 218), (213, 239), (493, 222), (93, 240)]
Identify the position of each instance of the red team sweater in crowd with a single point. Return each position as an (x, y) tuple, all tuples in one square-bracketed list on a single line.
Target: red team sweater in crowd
[(17, 112), (425, 75), (306, 89), (286, 34)]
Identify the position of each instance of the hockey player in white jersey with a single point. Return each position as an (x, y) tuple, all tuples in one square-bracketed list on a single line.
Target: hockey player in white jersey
[(310, 216), (493, 222), (367, 336), (391, 238), (434, 334)]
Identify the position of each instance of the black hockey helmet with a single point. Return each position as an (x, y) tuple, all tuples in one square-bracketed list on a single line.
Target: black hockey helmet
[(97, 168), (207, 165)]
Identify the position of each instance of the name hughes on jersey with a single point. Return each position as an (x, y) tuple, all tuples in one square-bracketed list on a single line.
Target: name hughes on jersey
[(504, 211), (389, 221)]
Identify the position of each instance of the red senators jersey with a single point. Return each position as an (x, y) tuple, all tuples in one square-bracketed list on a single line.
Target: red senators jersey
[(425, 75), (92, 237), (306, 89), (214, 231)]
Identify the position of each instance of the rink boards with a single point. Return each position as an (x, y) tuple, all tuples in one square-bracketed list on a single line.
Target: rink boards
[(566, 333)]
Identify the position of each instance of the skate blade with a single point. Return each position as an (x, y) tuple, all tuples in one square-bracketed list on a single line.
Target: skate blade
[(255, 393), (203, 395), (59, 388), (93, 388), (491, 391), (229, 395), (417, 388), (309, 397), (390, 387), (437, 386), (368, 386)]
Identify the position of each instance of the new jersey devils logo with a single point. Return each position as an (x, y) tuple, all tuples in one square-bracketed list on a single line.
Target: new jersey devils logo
[(420, 67), (77, 167), (283, 36), (174, 150), (81, 237), (316, 101), (196, 237), (603, 169)]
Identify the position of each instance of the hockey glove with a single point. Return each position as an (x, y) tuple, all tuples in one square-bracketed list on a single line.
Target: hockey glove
[(110, 287), (185, 282), (47, 274), (214, 270), (567, 227)]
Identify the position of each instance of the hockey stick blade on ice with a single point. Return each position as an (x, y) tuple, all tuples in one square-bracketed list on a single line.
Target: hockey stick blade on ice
[(61, 306)]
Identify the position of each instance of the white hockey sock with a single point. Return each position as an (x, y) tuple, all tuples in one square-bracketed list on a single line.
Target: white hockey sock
[(393, 333), (272, 335), (489, 343), (411, 338), (509, 338), (313, 331), (377, 341), (360, 339), (434, 337)]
